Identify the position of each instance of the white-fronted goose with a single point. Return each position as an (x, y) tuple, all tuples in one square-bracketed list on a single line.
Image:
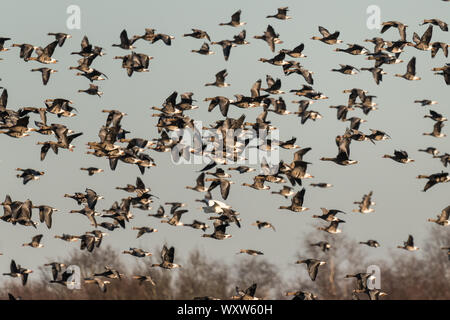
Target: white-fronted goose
[(443, 218), (437, 128), (167, 257), (16, 271), (200, 184), (136, 252), (250, 252), (26, 50), (60, 37), (436, 46), (425, 102), (285, 192), (197, 225), (296, 202), (399, 156), (434, 179), (321, 185), (346, 69), (198, 34), (226, 47), (312, 266), (370, 243), (333, 228), (92, 90), (258, 183), (395, 24), (327, 37), (281, 14), (46, 72), (35, 242), (56, 268), (204, 50), (143, 230), (235, 20), (423, 43), (328, 215), (271, 37), (435, 116), (410, 71), (353, 49), (377, 74), (92, 170), (365, 203), (29, 174), (125, 42), (431, 150), (45, 55), (263, 224), (220, 80), (409, 244), (239, 39), (45, 214)]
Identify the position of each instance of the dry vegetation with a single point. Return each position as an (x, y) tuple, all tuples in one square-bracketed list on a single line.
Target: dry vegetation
[(404, 275)]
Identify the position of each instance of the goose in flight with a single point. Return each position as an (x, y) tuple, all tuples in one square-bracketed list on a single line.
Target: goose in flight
[(297, 52), (328, 215), (437, 128), (92, 170), (197, 225), (365, 203), (167, 257), (327, 37), (296, 202), (346, 69), (125, 42), (46, 72), (399, 156), (333, 227), (219, 231), (423, 43), (26, 50), (435, 116), (220, 80), (377, 74), (263, 225), (281, 14), (200, 184), (425, 102), (370, 243), (136, 252), (198, 34), (56, 268), (436, 22), (235, 20), (60, 37), (16, 271), (323, 245), (409, 244), (92, 90), (143, 230), (204, 50), (35, 242), (99, 282), (286, 192), (353, 49), (395, 24), (250, 252), (258, 183), (443, 218), (410, 71), (247, 294), (29, 174), (343, 154), (224, 184), (226, 47), (312, 266), (321, 185), (271, 37), (45, 55)]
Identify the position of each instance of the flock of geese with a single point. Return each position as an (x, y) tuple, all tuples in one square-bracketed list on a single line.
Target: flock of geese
[(115, 145)]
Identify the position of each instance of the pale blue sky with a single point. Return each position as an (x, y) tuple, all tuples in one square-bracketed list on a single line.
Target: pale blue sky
[(401, 207)]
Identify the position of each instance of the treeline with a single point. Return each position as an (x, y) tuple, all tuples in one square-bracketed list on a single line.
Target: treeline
[(404, 275)]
